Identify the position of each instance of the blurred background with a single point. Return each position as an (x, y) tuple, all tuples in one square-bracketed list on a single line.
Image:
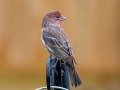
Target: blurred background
[(92, 27)]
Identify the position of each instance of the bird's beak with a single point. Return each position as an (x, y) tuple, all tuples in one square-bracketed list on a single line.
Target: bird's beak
[(62, 18)]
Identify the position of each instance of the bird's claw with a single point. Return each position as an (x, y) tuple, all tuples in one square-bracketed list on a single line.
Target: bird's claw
[(54, 67)]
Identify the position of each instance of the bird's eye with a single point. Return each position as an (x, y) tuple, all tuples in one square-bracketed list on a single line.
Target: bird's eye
[(57, 16)]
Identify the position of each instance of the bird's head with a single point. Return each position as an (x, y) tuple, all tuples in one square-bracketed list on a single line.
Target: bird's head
[(53, 17)]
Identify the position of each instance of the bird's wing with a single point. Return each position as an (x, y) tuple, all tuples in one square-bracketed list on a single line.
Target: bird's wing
[(56, 40)]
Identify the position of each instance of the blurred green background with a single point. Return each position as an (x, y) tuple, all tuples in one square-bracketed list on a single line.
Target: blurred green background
[(92, 27)]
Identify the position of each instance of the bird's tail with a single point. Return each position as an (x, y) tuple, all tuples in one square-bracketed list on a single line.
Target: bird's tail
[(74, 78)]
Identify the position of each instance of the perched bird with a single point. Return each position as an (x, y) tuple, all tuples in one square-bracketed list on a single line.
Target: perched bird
[(56, 43)]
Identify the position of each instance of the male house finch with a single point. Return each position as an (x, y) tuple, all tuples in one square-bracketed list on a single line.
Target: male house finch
[(56, 43)]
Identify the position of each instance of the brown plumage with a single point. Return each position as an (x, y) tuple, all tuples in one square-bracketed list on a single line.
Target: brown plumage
[(56, 43)]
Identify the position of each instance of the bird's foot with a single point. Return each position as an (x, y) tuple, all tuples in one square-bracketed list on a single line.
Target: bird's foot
[(54, 67)]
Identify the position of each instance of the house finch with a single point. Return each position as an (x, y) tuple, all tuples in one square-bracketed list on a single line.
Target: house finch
[(56, 43)]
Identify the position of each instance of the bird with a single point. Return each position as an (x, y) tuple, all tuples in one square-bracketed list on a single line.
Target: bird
[(56, 43)]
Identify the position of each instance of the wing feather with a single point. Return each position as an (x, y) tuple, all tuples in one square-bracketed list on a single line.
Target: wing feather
[(55, 39)]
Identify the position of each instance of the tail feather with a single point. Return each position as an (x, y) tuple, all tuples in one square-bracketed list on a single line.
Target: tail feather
[(74, 78)]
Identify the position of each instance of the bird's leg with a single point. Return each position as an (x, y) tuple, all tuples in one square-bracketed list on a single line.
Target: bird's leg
[(54, 67)]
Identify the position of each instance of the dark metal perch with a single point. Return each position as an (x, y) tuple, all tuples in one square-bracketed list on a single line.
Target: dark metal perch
[(56, 78)]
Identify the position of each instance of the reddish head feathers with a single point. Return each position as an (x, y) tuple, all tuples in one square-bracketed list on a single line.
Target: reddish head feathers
[(53, 17)]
